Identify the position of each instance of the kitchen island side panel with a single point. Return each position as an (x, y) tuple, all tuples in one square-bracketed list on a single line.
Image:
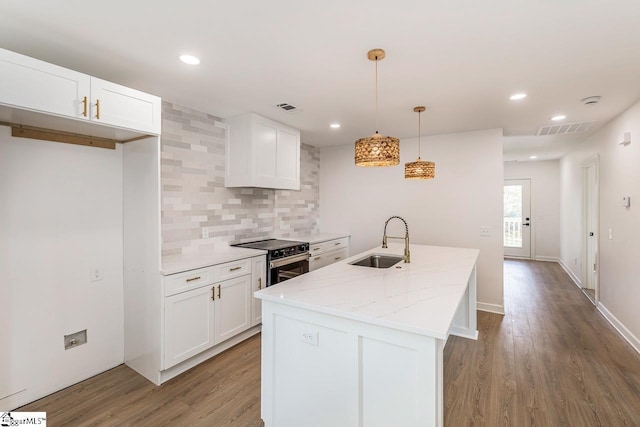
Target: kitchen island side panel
[(326, 370)]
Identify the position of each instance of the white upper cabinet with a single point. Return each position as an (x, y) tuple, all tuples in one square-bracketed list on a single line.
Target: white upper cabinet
[(37, 85), (32, 85), (117, 105), (261, 153)]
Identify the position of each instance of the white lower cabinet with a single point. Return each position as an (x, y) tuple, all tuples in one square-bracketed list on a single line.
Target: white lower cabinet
[(232, 307), (202, 311), (328, 252), (258, 281), (189, 324)]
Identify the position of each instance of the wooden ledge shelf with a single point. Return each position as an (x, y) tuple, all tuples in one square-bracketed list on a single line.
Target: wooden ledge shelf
[(23, 131)]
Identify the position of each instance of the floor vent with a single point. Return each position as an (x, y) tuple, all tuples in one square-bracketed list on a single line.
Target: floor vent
[(565, 128), (287, 107)]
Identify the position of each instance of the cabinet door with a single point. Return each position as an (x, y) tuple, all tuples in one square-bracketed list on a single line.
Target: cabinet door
[(233, 307), (117, 105), (188, 324), (265, 138), (258, 281), (288, 159), (32, 84)]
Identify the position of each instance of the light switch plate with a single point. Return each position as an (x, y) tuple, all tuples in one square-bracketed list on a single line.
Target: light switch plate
[(309, 336), (96, 274)]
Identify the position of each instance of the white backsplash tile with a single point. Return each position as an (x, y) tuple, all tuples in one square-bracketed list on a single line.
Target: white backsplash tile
[(194, 195)]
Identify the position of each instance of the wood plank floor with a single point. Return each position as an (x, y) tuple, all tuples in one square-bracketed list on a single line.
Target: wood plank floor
[(553, 360)]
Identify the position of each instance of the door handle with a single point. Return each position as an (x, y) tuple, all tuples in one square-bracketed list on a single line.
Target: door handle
[(526, 223), (591, 234)]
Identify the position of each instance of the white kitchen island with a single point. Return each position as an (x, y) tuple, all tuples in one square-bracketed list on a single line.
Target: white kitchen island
[(358, 346)]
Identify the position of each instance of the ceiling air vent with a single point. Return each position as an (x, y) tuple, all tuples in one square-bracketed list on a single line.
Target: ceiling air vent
[(287, 107), (565, 128)]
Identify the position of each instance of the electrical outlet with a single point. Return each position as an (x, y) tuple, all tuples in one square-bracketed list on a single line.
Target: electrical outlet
[(75, 339), (205, 232), (485, 231), (309, 336), (96, 274)]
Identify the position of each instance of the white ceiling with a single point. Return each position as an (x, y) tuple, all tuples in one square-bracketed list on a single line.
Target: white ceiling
[(461, 58)]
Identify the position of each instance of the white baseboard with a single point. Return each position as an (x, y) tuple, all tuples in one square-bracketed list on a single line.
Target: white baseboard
[(626, 333), (491, 308), (573, 277), (547, 258)]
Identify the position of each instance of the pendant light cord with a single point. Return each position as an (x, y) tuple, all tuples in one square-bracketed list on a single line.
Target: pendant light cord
[(419, 132), (376, 94)]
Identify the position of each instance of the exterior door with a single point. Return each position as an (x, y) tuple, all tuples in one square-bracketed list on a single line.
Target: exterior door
[(517, 218)]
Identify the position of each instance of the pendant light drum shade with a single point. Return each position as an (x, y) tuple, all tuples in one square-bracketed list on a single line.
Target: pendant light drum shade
[(377, 150), (419, 169)]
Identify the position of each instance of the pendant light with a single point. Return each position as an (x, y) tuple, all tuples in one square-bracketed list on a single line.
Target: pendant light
[(419, 169), (377, 150)]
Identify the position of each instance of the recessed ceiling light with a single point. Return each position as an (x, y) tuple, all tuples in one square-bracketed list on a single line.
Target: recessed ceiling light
[(189, 59), (558, 118), (518, 96), (335, 125), (533, 157)]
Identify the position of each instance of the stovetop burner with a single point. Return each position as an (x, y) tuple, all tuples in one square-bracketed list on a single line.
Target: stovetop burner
[(277, 248)]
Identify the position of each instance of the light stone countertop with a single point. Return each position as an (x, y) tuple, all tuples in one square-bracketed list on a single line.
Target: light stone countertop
[(316, 238), (419, 297), (179, 263)]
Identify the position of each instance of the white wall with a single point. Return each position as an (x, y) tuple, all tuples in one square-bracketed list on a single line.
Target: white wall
[(545, 205), (60, 216), (618, 258), (447, 211)]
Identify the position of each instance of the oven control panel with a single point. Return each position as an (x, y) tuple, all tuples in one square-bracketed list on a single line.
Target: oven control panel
[(289, 251)]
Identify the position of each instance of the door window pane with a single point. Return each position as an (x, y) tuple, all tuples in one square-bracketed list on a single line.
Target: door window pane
[(513, 216)]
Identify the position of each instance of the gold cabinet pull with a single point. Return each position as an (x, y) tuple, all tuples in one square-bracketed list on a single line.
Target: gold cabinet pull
[(316, 249), (84, 106), (337, 243), (235, 268), (98, 109), (213, 293), (191, 279), (316, 258), (337, 258), (259, 282), (219, 295)]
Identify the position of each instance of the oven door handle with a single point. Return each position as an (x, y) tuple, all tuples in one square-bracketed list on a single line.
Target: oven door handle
[(288, 260)]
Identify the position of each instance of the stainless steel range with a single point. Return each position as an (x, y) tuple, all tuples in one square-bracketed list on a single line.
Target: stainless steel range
[(286, 259)]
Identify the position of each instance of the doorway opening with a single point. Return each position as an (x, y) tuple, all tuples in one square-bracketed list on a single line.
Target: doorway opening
[(590, 230), (517, 218)]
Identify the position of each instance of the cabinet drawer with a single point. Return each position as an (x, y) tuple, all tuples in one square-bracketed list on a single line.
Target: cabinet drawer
[(316, 248), (335, 256), (229, 270), (315, 262), (335, 244), (181, 282)]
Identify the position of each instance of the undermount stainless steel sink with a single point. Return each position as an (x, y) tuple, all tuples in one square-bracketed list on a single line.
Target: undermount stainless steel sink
[(378, 261)]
